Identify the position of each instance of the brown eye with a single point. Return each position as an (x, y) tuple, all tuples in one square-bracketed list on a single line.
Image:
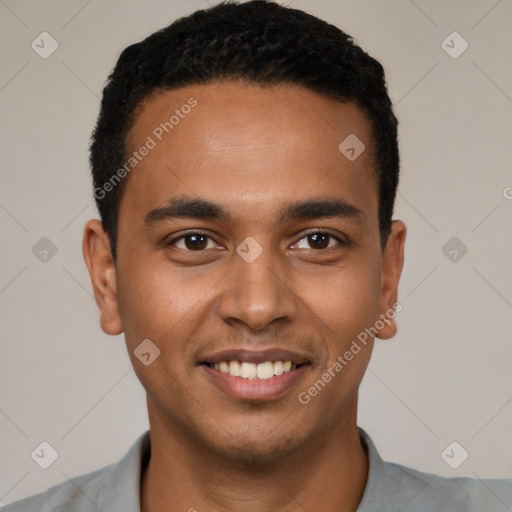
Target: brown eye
[(318, 240), (195, 242), (191, 241)]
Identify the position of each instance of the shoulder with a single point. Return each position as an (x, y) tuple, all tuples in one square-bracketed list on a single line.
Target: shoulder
[(78, 494), (391, 487), (427, 491), (112, 487)]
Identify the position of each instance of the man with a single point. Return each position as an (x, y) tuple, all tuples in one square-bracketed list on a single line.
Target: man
[(245, 166)]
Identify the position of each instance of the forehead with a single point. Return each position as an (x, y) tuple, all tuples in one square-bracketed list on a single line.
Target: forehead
[(249, 145)]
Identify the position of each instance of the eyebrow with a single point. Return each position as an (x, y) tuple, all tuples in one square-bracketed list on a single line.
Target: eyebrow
[(203, 209)]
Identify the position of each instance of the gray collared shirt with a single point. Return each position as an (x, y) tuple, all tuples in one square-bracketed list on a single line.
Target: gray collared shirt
[(390, 488)]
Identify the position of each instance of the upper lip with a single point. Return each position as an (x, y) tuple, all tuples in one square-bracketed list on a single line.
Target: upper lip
[(255, 356)]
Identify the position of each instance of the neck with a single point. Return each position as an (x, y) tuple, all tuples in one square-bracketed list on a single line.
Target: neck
[(327, 473)]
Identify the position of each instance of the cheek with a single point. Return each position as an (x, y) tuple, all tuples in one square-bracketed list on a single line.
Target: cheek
[(346, 300), (345, 304), (145, 301), (158, 304), (348, 306)]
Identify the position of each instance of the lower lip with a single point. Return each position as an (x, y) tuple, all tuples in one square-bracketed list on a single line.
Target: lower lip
[(256, 389)]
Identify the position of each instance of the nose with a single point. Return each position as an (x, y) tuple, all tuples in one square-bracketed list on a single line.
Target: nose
[(257, 294)]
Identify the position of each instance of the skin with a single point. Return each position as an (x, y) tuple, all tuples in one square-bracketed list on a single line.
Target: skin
[(252, 150)]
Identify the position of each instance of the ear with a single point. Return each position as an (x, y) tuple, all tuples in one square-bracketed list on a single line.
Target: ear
[(392, 264), (102, 271)]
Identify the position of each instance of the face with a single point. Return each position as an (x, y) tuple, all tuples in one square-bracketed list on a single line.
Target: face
[(248, 243)]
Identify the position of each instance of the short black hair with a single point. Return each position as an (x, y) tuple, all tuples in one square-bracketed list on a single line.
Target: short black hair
[(258, 42)]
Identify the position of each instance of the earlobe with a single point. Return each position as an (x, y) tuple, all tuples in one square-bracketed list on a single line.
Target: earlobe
[(98, 258), (392, 264)]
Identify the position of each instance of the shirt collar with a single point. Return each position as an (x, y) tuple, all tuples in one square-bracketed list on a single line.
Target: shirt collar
[(372, 497), (121, 487)]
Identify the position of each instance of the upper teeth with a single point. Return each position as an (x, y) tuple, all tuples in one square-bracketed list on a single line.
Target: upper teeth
[(247, 370)]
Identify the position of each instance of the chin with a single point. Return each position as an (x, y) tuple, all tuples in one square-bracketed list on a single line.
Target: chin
[(250, 446)]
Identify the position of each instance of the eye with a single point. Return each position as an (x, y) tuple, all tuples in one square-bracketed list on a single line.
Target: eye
[(319, 240), (197, 241), (192, 242)]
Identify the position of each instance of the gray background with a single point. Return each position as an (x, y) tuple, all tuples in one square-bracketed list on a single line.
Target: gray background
[(446, 375)]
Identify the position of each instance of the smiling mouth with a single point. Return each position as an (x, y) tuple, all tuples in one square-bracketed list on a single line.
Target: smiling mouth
[(254, 371)]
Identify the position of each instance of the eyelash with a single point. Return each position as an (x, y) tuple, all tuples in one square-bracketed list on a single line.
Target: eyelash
[(340, 241)]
